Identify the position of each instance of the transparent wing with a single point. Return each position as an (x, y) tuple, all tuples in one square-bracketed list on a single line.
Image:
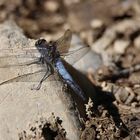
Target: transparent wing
[(23, 75), (28, 77), (28, 58), (75, 55), (21, 65), (18, 64), (72, 52), (29, 55), (63, 43), (18, 57), (77, 50)]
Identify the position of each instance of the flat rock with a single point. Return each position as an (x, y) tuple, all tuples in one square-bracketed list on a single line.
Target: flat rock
[(19, 105)]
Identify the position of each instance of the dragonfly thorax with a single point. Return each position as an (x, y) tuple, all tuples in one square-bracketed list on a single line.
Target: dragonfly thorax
[(48, 50)]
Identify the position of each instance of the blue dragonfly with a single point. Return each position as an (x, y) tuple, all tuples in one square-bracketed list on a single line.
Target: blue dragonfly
[(51, 56)]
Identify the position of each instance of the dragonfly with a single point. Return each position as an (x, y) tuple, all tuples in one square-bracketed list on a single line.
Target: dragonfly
[(51, 56)]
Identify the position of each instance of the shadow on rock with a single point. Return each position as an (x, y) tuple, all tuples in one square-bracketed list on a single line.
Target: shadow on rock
[(98, 97)]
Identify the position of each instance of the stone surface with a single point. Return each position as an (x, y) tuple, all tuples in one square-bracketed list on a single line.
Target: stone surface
[(19, 105)]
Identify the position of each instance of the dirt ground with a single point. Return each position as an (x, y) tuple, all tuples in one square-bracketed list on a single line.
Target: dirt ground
[(112, 30)]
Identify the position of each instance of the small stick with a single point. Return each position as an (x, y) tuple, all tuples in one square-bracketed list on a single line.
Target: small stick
[(120, 74)]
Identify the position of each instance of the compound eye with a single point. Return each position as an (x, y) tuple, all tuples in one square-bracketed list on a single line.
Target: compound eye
[(40, 42)]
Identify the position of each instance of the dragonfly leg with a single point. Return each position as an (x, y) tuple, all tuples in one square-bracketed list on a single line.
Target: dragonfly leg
[(39, 61), (43, 79), (47, 74)]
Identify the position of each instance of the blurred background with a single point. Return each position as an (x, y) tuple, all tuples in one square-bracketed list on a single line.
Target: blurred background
[(88, 17), (111, 30)]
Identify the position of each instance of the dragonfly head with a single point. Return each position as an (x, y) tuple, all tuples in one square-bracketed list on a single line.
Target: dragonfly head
[(48, 50)]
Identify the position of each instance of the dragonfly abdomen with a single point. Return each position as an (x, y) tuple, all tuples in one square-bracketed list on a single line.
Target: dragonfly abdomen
[(68, 79), (76, 88)]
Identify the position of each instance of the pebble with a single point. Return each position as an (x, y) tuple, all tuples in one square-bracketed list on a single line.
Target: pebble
[(138, 97), (137, 42), (120, 46), (96, 23), (51, 6), (101, 44), (134, 104), (127, 26), (121, 95)]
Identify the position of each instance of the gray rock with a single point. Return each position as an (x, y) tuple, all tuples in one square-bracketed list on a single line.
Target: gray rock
[(121, 45), (18, 103)]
